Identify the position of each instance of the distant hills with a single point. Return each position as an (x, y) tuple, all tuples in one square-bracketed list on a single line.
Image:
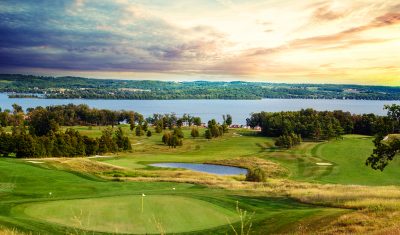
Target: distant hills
[(30, 86)]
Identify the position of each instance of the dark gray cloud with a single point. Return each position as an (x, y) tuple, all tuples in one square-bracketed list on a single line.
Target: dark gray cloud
[(99, 35)]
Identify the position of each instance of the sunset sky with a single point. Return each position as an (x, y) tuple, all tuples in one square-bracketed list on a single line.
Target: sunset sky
[(305, 41)]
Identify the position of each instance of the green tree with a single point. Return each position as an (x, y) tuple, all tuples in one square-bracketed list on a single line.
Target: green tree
[(197, 121), (25, 146), (195, 132), (228, 119), (207, 134), (386, 150), (178, 132), (131, 121), (159, 126), (172, 139), (145, 126), (106, 141), (91, 145), (288, 140), (41, 122), (7, 143), (17, 109), (139, 131)]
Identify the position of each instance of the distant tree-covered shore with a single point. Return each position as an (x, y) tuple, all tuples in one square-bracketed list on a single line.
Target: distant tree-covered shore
[(30, 86)]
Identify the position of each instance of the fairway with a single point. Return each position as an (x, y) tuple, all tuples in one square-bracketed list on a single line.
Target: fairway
[(339, 161), (348, 157), (122, 214)]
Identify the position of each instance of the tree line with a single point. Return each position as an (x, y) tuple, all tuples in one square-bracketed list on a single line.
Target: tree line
[(319, 125), (66, 115), (38, 134), (70, 143), (84, 88)]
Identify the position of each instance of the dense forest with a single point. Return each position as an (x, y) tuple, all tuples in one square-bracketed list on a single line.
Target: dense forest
[(29, 86)]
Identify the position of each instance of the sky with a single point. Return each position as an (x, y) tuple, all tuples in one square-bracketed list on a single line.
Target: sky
[(297, 41)]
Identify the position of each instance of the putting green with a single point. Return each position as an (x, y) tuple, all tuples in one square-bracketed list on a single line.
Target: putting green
[(123, 214)]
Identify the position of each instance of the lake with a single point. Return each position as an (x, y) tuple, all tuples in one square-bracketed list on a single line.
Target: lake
[(207, 168), (208, 109)]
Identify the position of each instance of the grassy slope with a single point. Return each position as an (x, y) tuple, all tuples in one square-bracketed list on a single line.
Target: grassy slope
[(25, 184), (347, 157)]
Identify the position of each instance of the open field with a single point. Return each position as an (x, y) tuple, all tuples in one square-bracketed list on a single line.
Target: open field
[(104, 194)]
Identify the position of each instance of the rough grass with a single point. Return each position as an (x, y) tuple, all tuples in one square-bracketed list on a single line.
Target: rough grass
[(81, 165), (271, 169), (11, 231)]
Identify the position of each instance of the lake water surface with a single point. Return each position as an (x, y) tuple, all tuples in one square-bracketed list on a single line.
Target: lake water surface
[(208, 109), (208, 168)]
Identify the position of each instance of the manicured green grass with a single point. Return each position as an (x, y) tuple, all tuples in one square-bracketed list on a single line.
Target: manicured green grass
[(123, 214), (36, 197), (347, 157)]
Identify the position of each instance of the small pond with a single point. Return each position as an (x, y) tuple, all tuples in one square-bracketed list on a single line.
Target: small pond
[(208, 168)]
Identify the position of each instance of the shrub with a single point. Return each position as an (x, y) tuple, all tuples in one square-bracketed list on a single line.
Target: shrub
[(139, 131), (255, 175), (195, 132)]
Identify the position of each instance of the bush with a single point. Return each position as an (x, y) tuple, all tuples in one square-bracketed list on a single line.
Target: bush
[(139, 131), (158, 128), (195, 132), (255, 175), (149, 133), (178, 132)]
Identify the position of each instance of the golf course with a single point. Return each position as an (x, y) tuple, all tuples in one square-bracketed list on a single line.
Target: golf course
[(309, 188), (199, 117)]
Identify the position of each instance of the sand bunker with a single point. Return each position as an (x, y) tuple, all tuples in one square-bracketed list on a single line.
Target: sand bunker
[(324, 164), (35, 162), (98, 156)]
